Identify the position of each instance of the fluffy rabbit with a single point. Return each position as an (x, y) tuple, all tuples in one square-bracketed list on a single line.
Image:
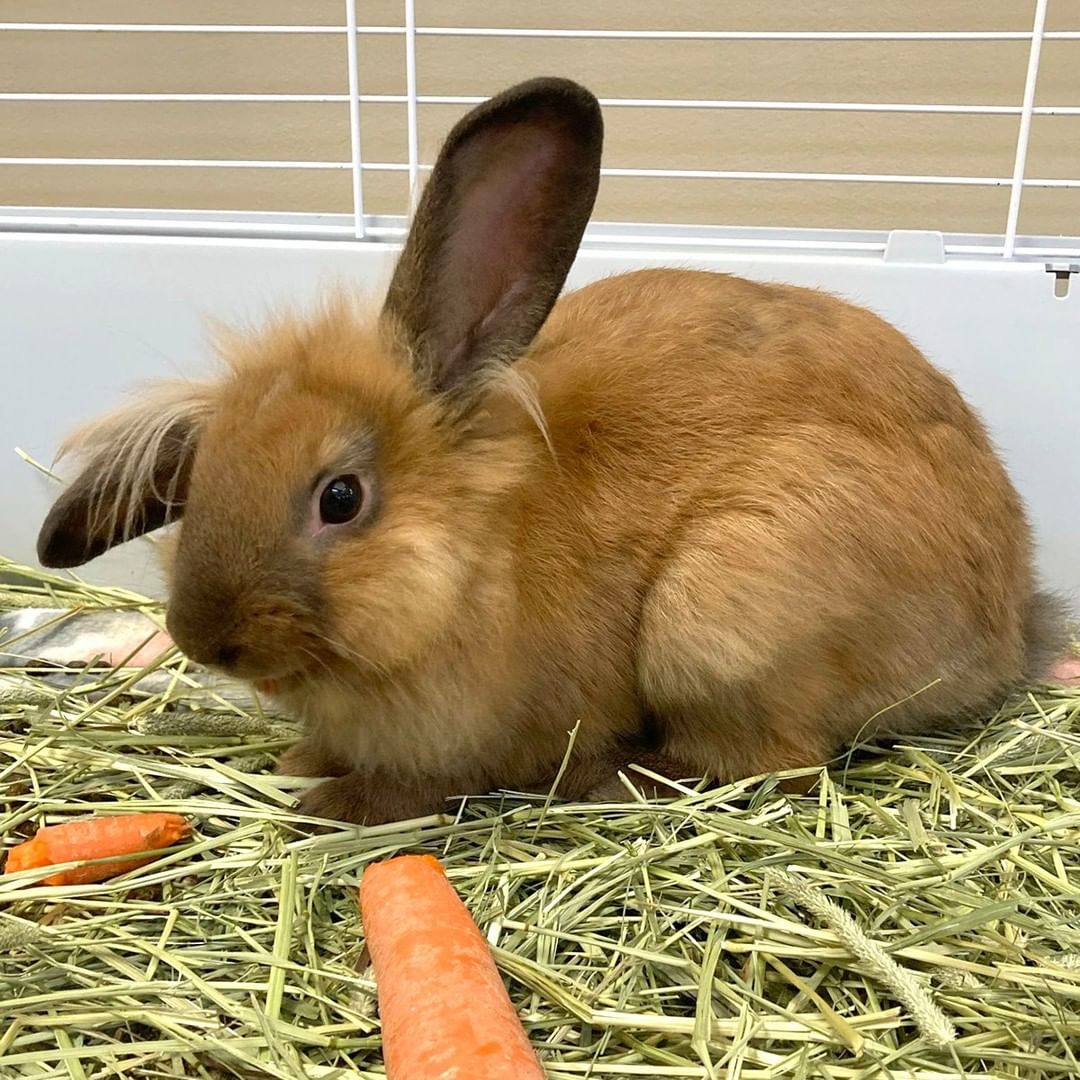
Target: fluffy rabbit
[(723, 526)]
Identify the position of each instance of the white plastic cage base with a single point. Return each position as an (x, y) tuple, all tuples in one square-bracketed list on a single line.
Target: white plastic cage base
[(89, 314)]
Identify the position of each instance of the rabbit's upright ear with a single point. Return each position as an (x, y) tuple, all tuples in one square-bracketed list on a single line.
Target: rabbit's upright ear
[(496, 231), (138, 464)]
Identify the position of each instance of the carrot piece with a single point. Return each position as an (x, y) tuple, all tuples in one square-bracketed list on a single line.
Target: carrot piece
[(445, 1012), (124, 836)]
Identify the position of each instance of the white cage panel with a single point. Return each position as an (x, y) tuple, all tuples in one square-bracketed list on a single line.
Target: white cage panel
[(86, 317)]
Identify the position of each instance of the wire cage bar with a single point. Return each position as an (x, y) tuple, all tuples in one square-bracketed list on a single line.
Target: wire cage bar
[(356, 163), (549, 32), (1024, 134)]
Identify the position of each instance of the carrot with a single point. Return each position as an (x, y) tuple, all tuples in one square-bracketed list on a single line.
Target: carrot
[(121, 839), (445, 1012)]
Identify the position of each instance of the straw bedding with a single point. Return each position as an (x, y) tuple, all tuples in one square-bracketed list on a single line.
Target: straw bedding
[(917, 916)]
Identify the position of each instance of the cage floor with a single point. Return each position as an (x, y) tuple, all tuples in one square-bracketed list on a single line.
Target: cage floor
[(914, 918)]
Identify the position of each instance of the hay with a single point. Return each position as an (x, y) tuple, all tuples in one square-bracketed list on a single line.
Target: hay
[(917, 917)]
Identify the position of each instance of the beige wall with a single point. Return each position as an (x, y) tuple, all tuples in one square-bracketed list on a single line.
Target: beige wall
[(984, 72)]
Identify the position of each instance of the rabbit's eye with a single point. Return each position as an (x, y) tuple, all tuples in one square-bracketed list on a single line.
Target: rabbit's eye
[(341, 500)]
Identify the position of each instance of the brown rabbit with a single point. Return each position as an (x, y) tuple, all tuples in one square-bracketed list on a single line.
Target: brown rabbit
[(724, 526)]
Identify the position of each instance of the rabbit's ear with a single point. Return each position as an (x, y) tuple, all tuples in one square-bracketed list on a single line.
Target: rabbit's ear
[(496, 231), (138, 463)]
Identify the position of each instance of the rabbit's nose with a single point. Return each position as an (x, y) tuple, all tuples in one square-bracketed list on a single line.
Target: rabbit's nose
[(204, 648), (224, 655), (228, 655)]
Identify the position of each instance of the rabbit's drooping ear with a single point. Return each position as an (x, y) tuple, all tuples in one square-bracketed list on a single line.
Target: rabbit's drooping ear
[(496, 231), (138, 462)]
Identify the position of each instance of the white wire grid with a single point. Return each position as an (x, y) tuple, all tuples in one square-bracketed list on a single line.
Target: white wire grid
[(363, 225)]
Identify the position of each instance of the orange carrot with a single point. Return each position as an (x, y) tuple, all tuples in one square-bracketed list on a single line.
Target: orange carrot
[(122, 837), (445, 1012)]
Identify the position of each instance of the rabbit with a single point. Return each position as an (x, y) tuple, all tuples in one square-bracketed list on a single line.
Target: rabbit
[(719, 528)]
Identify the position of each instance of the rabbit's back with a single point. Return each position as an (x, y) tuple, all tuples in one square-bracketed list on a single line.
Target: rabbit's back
[(699, 354), (667, 393)]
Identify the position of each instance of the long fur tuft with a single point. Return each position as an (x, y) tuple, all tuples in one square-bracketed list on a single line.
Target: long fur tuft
[(520, 388), (125, 449)]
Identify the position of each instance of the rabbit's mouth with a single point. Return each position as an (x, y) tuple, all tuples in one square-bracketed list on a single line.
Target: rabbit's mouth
[(275, 685)]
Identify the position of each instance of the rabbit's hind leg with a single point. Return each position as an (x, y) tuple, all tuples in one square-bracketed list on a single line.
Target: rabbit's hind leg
[(731, 659)]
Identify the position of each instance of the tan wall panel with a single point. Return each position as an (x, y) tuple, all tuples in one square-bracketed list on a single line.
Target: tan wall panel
[(800, 205), (63, 62), (920, 71), (293, 12), (981, 72), (303, 131)]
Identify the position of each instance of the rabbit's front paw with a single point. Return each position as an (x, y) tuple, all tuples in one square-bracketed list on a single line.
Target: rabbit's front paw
[(357, 800), (308, 758)]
